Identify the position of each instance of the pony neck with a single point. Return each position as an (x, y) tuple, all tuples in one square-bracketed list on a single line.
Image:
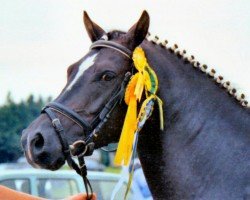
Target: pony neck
[(189, 95), (197, 114)]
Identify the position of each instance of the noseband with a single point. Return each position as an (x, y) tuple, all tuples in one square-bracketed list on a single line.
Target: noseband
[(81, 148)]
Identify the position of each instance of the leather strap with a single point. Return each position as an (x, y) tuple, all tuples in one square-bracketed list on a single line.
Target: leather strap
[(108, 108), (60, 133), (112, 45), (82, 169), (64, 110), (91, 129)]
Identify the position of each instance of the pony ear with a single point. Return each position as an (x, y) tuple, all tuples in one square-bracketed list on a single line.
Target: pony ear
[(138, 31), (94, 31)]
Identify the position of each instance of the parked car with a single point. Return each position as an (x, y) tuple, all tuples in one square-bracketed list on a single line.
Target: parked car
[(92, 163), (60, 184)]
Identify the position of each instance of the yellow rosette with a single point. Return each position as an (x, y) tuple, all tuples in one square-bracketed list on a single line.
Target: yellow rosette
[(144, 79)]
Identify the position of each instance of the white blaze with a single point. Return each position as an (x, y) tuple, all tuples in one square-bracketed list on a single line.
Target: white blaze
[(89, 61)]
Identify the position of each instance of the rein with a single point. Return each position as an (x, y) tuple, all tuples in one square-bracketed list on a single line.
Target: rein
[(81, 148)]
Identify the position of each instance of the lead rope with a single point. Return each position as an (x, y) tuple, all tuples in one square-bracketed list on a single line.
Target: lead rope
[(82, 171), (87, 185)]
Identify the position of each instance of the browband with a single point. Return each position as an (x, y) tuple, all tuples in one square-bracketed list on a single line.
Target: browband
[(112, 45)]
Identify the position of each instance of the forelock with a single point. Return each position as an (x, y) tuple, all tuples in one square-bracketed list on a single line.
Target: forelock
[(115, 34)]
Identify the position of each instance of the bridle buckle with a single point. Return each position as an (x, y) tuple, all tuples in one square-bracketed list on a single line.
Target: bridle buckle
[(78, 148), (57, 124)]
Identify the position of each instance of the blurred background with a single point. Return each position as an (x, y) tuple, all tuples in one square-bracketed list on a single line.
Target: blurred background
[(40, 39)]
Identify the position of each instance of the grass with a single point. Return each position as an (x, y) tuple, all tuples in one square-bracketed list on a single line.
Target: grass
[(115, 170)]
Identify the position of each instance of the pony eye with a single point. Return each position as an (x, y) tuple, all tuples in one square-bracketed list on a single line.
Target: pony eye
[(108, 76)]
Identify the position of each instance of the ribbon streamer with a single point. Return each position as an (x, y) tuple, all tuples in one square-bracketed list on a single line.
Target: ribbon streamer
[(144, 80)]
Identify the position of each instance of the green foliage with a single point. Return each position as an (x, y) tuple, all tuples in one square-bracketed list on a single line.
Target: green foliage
[(14, 117)]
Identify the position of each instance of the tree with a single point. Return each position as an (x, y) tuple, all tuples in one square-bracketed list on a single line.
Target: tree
[(14, 117)]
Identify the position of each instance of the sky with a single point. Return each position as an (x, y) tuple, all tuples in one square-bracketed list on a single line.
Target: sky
[(40, 39)]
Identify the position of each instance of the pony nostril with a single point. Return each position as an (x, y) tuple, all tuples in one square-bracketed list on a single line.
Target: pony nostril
[(38, 141)]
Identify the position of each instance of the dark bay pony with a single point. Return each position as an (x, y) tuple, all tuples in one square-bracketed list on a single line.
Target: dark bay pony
[(204, 150)]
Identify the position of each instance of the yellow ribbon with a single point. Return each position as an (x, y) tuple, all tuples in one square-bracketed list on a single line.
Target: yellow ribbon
[(144, 79), (125, 144)]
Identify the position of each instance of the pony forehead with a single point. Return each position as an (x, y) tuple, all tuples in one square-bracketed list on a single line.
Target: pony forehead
[(86, 63)]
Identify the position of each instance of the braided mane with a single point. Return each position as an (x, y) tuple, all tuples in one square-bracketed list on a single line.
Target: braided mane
[(182, 54)]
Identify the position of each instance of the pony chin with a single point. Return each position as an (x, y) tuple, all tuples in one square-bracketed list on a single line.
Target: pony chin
[(51, 165)]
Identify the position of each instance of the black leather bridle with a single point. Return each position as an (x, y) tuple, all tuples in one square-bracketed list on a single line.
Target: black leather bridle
[(81, 148)]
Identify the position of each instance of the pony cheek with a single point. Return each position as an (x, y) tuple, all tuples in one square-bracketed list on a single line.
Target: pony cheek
[(75, 133), (94, 106)]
